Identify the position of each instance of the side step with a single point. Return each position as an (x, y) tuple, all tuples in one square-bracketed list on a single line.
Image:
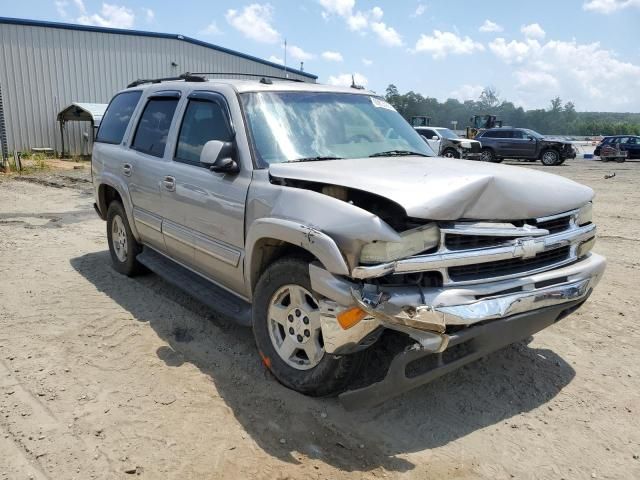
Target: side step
[(194, 285)]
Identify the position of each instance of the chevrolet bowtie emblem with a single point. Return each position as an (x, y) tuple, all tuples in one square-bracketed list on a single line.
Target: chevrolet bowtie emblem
[(528, 248)]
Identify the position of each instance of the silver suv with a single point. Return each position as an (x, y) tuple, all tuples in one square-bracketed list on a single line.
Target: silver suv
[(314, 215)]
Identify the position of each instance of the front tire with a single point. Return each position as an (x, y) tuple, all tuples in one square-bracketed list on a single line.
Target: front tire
[(550, 158), (450, 153), (123, 247), (286, 327)]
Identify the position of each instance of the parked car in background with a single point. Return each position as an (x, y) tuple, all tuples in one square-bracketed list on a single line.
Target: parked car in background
[(522, 143), (625, 143), (447, 143), (317, 216)]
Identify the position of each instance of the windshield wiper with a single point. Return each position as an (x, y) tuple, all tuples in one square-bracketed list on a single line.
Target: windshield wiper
[(398, 153), (315, 159)]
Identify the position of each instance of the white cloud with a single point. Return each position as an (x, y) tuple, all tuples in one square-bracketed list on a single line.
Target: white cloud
[(376, 13), (533, 30), (342, 8), (583, 73), (360, 21), (609, 6), (420, 9), (149, 15), (61, 7), (535, 79), (346, 79), (115, 16), (211, 29), (513, 51), (80, 6), (441, 44), (254, 22), (367, 62), (275, 59), (387, 35), (332, 56), (490, 27), (299, 54), (467, 92)]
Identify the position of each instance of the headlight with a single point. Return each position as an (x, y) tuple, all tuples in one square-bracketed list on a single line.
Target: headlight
[(413, 241), (585, 214), (465, 144)]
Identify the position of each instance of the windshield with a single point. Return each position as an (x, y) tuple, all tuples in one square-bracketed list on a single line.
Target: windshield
[(290, 126), (533, 133), (446, 133)]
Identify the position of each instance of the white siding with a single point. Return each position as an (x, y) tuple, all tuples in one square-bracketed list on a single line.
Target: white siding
[(43, 69)]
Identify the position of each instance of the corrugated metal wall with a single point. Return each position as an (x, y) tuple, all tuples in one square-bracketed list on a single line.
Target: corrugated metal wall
[(44, 69)]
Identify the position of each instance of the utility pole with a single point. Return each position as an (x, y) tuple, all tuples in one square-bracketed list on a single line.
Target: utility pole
[(285, 58)]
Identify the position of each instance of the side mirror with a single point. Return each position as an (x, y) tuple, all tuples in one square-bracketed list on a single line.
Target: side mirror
[(435, 137), (217, 156)]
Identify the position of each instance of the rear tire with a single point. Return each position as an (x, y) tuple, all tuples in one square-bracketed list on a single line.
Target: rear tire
[(291, 347), (550, 158), (123, 247)]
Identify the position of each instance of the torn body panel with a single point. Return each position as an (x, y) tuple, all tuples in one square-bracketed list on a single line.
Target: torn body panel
[(347, 226)]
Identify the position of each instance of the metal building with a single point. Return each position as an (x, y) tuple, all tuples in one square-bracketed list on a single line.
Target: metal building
[(47, 66)]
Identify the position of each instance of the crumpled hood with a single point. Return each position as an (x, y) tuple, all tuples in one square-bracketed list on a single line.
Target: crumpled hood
[(444, 189)]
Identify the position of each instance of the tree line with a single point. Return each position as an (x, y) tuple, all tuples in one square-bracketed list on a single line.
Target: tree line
[(560, 118)]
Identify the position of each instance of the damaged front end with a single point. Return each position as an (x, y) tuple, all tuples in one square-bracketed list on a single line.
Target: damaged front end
[(497, 285)]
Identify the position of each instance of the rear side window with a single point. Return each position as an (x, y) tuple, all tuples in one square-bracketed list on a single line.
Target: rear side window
[(116, 118), (153, 127), (203, 121), (491, 134), (518, 134)]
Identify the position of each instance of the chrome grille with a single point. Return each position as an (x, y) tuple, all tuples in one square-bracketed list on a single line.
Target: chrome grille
[(555, 225), (502, 268), (472, 252), (454, 241)]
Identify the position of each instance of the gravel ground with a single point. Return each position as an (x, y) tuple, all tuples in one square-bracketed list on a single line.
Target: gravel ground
[(103, 376)]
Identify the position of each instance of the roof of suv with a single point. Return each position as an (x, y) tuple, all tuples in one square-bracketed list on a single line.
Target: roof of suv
[(242, 86)]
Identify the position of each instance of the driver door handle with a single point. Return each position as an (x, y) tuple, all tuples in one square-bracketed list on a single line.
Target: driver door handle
[(169, 183)]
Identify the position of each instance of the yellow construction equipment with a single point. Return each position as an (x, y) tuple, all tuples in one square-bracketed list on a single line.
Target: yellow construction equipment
[(480, 123)]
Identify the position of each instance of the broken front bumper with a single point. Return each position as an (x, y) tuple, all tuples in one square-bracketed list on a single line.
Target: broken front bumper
[(415, 367), (426, 314)]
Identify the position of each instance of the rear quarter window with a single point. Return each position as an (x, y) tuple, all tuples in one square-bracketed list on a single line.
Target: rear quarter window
[(153, 127), (116, 118)]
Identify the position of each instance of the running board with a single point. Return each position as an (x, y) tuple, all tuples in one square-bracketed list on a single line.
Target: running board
[(206, 292)]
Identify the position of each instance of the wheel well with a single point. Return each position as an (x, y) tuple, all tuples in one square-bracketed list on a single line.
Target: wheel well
[(268, 250), (106, 195)]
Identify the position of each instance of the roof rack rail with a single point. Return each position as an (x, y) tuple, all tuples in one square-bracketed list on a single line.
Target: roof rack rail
[(187, 77), (262, 77)]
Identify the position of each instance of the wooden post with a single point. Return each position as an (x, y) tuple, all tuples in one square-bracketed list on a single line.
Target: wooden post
[(62, 138)]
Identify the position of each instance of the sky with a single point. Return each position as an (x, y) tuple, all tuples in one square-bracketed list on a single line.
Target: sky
[(584, 51)]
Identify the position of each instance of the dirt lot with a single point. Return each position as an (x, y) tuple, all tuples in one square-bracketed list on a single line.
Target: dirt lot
[(102, 376)]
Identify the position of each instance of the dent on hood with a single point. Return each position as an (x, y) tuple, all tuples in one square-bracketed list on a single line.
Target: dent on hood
[(442, 189)]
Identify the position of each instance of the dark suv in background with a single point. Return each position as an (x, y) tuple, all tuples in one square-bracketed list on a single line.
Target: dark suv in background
[(522, 143), (626, 143)]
